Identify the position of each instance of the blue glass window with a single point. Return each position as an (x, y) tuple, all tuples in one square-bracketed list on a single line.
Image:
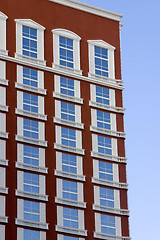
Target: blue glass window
[(107, 197), (102, 95), (68, 111), (29, 41), (69, 163), (31, 234), (31, 182), (30, 77), (31, 155), (30, 128), (69, 190), (30, 102), (103, 120), (31, 211), (101, 61), (67, 86), (104, 145), (70, 218), (108, 224), (66, 52), (105, 171), (70, 238), (68, 137)]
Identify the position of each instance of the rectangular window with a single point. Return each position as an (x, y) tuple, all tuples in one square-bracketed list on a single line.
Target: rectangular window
[(67, 86), (68, 111), (30, 129), (101, 61), (105, 171), (69, 190), (68, 137), (66, 52), (31, 183), (108, 224), (70, 218), (106, 197), (102, 95), (104, 145), (103, 120), (30, 77), (31, 234), (30, 102), (69, 163), (29, 42), (31, 211), (31, 155)]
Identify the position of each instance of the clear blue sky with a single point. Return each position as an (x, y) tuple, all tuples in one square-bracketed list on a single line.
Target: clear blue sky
[(140, 42)]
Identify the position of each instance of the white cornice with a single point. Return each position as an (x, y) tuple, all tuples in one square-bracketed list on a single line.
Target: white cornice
[(88, 8), (29, 23), (3, 16)]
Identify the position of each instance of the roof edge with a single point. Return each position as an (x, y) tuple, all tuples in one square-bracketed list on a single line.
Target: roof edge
[(90, 9)]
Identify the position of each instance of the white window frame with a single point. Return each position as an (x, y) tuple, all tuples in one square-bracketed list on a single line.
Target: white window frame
[(3, 106), (3, 19), (58, 144), (60, 237), (3, 218), (19, 84), (21, 165), (111, 64), (58, 171), (3, 188), (59, 120), (59, 198), (42, 215), (60, 228), (76, 50), (2, 232), (3, 160), (42, 188), (98, 234), (41, 128), (19, 110), (40, 41), (20, 235), (77, 94), (3, 79), (3, 133)]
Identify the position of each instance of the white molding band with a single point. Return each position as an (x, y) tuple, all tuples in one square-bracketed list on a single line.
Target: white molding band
[(3, 219), (105, 107), (108, 157), (34, 60), (4, 82), (31, 114), (38, 142), (4, 135), (3, 162), (30, 88), (67, 98), (28, 223), (69, 149), (31, 167), (100, 208), (107, 132), (68, 123), (24, 194), (71, 230), (3, 190), (70, 202), (109, 237), (110, 183), (3, 108), (69, 175)]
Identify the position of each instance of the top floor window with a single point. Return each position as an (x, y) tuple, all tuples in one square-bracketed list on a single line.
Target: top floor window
[(101, 61), (29, 42), (3, 19), (66, 50)]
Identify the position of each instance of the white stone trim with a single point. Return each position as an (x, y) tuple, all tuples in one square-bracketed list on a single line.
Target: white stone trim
[(68, 123), (20, 234), (31, 224), (4, 82), (109, 237), (3, 106), (70, 202), (71, 230), (3, 218), (88, 8), (60, 237), (31, 167), (108, 157), (3, 188), (30, 88), (24, 194), (69, 149), (67, 98), (2, 232), (107, 132), (3, 162), (124, 212), (109, 183), (69, 175), (31, 141), (31, 114), (3, 19), (105, 107)]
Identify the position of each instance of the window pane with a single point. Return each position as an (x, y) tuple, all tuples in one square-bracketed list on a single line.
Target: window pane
[(66, 52), (68, 137), (30, 77), (31, 211), (29, 42), (31, 155), (107, 197), (105, 171), (69, 190), (68, 111), (31, 234), (69, 163), (108, 224), (101, 61), (102, 95), (104, 145), (31, 183), (66, 86), (70, 218), (103, 120)]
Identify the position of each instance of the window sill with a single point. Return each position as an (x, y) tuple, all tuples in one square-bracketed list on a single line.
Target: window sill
[(3, 108), (3, 190), (31, 167), (3, 219), (4, 52), (106, 79), (3, 162), (109, 237), (70, 202), (27, 223), (67, 98), (4, 82), (31, 114), (66, 69), (111, 210), (68, 123), (108, 157), (107, 132), (106, 107), (24, 194), (31, 141), (71, 230), (68, 149), (109, 183), (30, 59), (69, 175), (30, 88), (4, 135)]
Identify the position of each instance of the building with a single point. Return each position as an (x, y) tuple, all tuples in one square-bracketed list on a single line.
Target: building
[(62, 152)]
